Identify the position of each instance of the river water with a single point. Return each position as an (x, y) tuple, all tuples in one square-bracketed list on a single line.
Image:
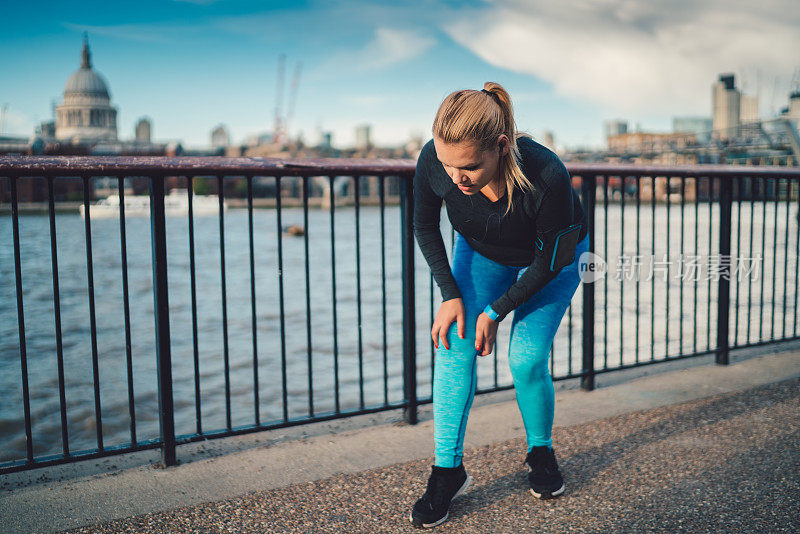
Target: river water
[(618, 346)]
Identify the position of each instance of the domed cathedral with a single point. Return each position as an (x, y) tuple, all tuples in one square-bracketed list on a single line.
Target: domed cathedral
[(86, 113)]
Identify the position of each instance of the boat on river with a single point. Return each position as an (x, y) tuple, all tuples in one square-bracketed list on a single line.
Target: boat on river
[(176, 204)]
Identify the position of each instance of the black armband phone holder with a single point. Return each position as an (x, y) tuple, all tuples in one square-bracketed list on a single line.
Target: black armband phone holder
[(564, 245)]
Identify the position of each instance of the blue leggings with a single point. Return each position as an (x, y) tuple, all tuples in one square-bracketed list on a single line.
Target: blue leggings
[(481, 281)]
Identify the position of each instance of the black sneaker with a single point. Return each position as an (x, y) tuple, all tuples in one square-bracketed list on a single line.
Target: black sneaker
[(544, 477), (444, 485)]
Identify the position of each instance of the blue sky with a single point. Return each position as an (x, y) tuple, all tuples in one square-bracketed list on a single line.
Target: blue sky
[(190, 65)]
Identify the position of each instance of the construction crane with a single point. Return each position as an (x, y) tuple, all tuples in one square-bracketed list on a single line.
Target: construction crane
[(281, 128), (293, 95), (277, 131)]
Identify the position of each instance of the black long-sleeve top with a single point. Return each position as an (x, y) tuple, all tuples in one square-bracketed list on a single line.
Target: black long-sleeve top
[(509, 239)]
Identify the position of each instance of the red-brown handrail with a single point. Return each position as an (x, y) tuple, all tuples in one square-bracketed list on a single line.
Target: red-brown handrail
[(215, 165)]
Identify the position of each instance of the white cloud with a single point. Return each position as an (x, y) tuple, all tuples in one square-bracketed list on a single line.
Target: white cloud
[(391, 46), (634, 56), (387, 47)]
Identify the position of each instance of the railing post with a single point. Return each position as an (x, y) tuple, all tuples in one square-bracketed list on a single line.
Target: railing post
[(409, 301), (588, 184), (723, 301), (158, 240)]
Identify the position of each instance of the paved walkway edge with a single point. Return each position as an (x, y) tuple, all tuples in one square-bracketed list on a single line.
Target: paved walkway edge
[(44, 500)]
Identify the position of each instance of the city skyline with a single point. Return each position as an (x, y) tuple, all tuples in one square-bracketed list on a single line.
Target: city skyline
[(190, 66)]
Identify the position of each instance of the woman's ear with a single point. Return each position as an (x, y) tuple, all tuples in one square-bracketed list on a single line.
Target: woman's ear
[(502, 143)]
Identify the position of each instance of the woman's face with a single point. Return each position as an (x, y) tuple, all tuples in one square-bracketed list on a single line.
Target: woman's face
[(471, 168)]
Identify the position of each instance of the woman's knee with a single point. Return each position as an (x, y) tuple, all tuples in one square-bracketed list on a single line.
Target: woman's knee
[(471, 313), (463, 349), (529, 364)]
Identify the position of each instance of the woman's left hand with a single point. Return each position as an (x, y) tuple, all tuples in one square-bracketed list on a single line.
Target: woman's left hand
[(485, 334)]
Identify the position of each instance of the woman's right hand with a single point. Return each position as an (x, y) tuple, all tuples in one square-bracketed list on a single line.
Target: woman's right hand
[(450, 310)]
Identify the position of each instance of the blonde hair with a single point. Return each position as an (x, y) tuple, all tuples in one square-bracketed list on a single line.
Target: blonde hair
[(481, 117)]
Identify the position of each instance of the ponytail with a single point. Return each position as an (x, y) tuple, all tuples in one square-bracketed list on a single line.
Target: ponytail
[(481, 117)]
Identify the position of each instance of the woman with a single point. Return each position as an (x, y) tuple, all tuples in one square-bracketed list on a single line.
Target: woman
[(520, 233)]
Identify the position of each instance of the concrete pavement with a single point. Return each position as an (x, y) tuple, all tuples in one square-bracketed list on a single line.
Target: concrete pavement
[(287, 464)]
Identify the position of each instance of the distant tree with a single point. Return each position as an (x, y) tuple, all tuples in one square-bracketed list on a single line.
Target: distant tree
[(202, 186), (240, 188)]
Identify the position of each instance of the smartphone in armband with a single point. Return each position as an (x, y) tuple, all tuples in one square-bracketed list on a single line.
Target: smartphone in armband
[(564, 247)]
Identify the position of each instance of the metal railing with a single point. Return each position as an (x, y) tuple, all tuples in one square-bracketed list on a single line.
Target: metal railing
[(321, 356)]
